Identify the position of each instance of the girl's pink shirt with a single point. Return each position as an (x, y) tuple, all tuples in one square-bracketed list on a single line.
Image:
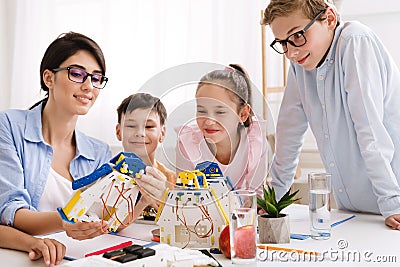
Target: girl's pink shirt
[(249, 166)]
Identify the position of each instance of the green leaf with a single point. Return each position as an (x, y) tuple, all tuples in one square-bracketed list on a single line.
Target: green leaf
[(270, 205), (292, 195), (273, 197), (266, 197), (288, 196), (262, 204), (272, 210)]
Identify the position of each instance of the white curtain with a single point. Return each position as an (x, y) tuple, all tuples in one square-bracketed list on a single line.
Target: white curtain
[(143, 38), (138, 38)]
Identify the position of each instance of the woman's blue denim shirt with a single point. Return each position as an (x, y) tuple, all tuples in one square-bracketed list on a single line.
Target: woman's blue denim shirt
[(25, 160)]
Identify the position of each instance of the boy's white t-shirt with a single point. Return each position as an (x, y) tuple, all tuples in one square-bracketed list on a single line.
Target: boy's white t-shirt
[(57, 192)]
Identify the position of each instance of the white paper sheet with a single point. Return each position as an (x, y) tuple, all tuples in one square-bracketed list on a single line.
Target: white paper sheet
[(77, 249)]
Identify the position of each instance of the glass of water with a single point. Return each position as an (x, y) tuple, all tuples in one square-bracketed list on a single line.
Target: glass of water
[(320, 205), (242, 226)]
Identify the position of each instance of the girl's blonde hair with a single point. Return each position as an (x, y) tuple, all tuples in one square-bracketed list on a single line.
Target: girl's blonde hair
[(283, 8)]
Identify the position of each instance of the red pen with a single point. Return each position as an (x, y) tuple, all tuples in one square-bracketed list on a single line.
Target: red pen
[(120, 246)]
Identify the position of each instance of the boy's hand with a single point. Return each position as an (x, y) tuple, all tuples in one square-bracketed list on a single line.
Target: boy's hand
[(85, 230), (152, 184), (51, 250), (393, 221)]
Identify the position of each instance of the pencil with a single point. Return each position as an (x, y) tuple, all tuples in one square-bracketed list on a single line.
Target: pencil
[(300, 251), (120, 246)]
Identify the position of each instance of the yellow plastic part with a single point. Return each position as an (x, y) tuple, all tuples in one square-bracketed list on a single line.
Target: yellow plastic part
[(108, 216), (187, 176), (121, 157), (161, 206), (67, 209), (124, 168), (219, 206), (82, 211)]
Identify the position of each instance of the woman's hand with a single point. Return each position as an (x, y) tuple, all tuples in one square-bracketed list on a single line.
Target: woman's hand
[(85, 230), (51, 250)]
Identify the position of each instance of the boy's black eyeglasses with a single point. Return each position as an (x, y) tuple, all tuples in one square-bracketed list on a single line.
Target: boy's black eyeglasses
[(78, 75), (296, 39)]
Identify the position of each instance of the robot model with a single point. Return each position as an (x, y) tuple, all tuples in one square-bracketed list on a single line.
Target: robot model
[(193, 214), (108, 194)]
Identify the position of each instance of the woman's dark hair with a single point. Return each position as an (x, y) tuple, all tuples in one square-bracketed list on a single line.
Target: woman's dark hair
[(236, 81), (62, 48)]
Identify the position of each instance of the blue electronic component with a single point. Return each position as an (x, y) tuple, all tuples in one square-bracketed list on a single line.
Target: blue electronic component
[(200, 178), (86, 180), (210, 169), (133, 162), (63, 216)]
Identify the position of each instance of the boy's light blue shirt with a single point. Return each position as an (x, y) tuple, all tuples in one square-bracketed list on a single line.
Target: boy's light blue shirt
[(25, 160), (351, 103)]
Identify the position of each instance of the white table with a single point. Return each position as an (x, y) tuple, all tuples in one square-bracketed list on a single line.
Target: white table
[(365, 235)]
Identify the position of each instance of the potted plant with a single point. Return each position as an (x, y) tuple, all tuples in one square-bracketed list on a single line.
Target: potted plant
[(273, 226)]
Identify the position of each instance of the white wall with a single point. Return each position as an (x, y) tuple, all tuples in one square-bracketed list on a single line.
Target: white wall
[(7, 9), (139, 39), (142, 38)]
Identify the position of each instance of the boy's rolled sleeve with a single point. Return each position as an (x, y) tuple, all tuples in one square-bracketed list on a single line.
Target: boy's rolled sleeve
[(390, 206)]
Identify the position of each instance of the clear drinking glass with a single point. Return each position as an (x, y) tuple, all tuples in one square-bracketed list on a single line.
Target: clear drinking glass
[(320, 205), (242, 226)]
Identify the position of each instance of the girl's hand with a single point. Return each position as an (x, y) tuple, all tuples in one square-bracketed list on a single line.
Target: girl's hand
[(152, 185), (85, 230), (260, 211), (51, 250)]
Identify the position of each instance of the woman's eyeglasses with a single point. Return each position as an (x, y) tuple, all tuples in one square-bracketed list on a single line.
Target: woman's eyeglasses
[(78, 75), (296, 39)]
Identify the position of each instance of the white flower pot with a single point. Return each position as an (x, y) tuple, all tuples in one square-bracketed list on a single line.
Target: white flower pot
[(273, 230)]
